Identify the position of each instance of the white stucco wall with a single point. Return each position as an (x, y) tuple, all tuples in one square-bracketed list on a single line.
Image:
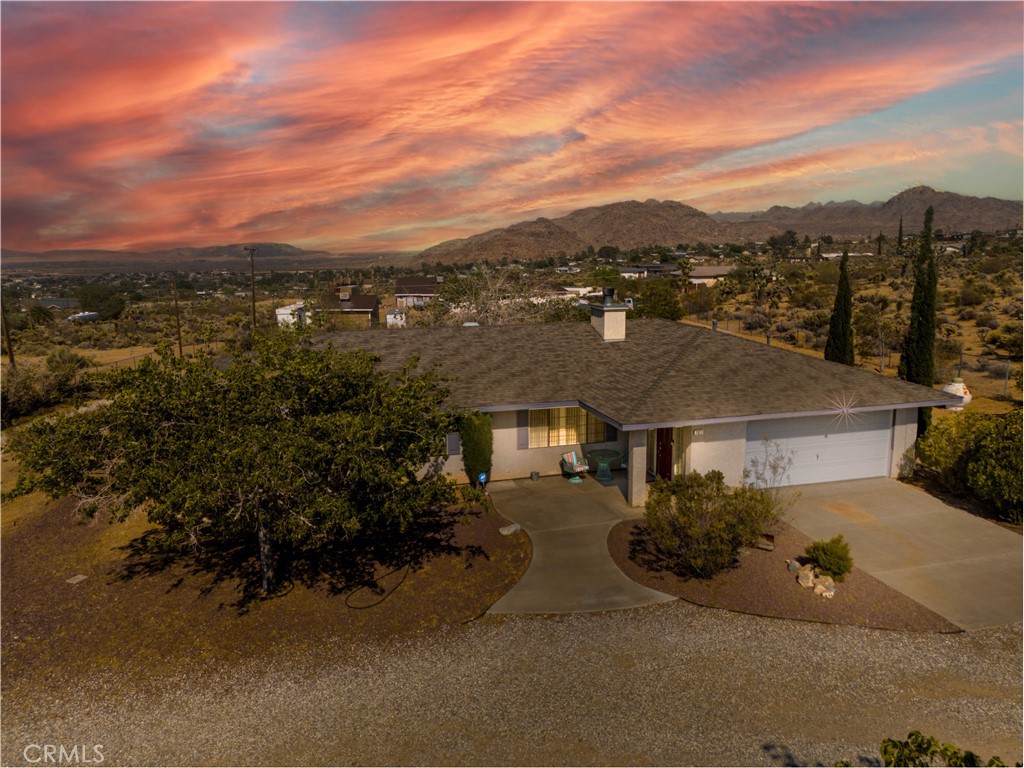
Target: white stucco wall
[(510, 462), (904, 435), (721, 447)]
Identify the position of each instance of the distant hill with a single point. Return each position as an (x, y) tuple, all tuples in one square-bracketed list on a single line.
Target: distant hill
[(632, 224), (851, 219), (234, 257), (625, 225)]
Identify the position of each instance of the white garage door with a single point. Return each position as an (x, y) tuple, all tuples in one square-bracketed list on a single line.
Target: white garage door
[(824, 448)]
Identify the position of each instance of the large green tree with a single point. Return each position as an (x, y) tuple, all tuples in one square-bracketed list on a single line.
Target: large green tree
[(659, 297), (100, 298), (281, 452), (917, 362), (839, 346)]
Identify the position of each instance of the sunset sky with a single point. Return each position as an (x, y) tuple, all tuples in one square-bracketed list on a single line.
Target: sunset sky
[(358, 127)]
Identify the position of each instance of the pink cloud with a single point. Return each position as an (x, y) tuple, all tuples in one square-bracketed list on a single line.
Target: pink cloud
[(399, 125)]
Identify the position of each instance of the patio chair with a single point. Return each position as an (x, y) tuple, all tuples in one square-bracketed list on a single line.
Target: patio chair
[(574, 465)]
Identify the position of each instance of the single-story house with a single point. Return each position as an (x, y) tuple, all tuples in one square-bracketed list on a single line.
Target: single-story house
[(55, 303), (668, 397), (709, 275), (363, 305), (649, 270), (292, 314), (415, 291)]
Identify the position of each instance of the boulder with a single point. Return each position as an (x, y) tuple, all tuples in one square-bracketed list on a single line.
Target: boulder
[(821, 589), (805, 577), (508, 530), (792, 566), (826, 581)]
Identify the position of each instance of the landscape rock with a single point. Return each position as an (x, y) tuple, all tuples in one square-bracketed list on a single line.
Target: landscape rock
[(508, 530), (805, 576), (821, 589), (826, 581), (792, 566)]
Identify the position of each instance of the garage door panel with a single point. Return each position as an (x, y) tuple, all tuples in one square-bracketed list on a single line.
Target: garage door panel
[(826, 448)]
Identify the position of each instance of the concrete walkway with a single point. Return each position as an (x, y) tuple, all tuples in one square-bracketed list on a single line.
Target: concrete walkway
[(966, 569), (571, 570)]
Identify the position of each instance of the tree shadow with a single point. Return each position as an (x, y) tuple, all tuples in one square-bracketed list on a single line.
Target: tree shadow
[(780, 754), (373, 564)]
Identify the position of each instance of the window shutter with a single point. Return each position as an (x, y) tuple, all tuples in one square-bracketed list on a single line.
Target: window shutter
[(454, 444), (522, 430)]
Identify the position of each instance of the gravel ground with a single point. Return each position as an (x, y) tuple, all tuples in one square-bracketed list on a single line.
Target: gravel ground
[(671, 684)]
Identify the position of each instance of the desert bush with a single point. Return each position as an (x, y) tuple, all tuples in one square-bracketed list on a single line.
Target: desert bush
[(698, 524), (972, 294), (986, 320), (831, 558), (1009, 338), (978, 454), (755, 321), (28, 388), (816, 321), (967, 314)]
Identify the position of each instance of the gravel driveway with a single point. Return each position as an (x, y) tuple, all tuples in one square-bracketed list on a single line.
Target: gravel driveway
[(667, 684)]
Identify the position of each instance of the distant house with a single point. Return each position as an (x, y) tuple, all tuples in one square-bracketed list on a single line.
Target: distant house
[(84, 317), (709, 275), (649, 270), (366, 306), (55, 303), (415, 291), (292, 315), (396, 318)]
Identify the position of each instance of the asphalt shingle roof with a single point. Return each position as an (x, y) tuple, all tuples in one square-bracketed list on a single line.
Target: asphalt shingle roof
[(662, 373)]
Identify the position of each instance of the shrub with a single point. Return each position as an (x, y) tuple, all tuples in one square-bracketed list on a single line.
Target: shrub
[(698, 524), (978, 454), (921, 750), (995, 467), (831, 557), (477, 444)]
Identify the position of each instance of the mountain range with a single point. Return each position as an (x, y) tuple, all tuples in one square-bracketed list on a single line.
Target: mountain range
[(626, 225), (632, 224)]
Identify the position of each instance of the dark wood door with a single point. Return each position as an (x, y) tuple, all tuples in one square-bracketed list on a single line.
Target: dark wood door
[(663, 454)]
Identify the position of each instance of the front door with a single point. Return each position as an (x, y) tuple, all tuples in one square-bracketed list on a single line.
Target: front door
[(663, 453)]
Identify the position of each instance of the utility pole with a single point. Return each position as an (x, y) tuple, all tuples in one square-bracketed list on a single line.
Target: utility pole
[(177, 313), (252, 284)]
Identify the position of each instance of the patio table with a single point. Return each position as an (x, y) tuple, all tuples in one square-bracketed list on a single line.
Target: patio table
[(604, 457)]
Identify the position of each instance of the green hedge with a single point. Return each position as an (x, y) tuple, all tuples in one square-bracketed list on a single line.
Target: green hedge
[(978, 454)]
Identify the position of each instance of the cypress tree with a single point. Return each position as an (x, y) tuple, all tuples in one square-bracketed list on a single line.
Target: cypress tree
[(917, 363), (839, 346), (899, 240)]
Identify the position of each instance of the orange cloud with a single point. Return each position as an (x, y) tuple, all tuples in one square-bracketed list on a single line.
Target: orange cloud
[(391, 126)]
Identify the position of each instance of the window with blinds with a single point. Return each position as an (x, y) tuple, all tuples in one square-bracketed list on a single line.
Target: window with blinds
[(550, 427)]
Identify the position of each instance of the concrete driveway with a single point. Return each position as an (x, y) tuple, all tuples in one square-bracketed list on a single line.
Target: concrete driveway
[(966, 569), (571, 570)]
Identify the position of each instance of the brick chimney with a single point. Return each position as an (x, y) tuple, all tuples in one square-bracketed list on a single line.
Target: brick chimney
[(609, 318)]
